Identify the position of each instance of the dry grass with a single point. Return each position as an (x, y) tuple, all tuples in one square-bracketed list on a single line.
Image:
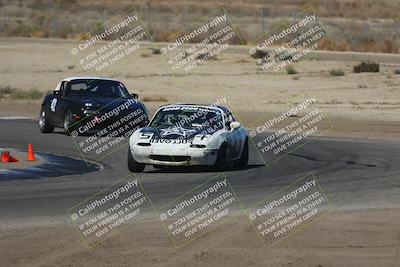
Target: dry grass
[(242, 60), (11, 93), (145, 54), (353, 26)]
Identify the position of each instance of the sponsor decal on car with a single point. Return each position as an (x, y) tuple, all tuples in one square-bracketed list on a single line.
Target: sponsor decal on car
[(171, 141)]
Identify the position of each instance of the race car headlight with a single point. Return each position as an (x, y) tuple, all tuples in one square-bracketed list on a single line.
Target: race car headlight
[(88, 112), (199, 140)]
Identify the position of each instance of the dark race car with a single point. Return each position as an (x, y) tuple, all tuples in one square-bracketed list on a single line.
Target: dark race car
[(81, 105)]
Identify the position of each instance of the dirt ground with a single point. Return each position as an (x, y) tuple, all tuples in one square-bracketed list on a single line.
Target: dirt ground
[(363, 238)]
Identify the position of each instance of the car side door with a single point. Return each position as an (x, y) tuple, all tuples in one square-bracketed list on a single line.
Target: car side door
[(57, 105)]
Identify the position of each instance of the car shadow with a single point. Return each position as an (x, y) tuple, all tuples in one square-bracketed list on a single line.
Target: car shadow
[(205, 169)]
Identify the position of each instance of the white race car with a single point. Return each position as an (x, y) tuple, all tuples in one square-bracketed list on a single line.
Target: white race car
[(187, 135)]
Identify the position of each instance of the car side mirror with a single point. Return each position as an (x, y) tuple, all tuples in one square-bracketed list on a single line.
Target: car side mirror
[(57, 92), (135, 96), (235, 125)]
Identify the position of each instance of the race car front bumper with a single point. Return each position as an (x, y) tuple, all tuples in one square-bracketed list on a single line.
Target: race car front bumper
[(174, 156)]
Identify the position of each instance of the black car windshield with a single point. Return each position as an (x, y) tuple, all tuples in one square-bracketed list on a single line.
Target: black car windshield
[(95, 88), (187, 117)]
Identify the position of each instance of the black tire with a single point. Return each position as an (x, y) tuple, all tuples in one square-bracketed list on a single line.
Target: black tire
[(244, 158), (44, 124), (133, 165), (68, 122), (221, 160)]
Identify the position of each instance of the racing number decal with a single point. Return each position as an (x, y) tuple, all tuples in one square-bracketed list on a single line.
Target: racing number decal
[(53, 105), (146, 135)]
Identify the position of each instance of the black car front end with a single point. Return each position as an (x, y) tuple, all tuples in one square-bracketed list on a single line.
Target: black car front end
[(121, 117)]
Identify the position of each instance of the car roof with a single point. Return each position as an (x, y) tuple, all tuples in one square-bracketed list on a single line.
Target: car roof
[(68, 79)]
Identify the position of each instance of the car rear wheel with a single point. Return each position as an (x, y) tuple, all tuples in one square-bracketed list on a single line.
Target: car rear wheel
[(133, 165), (244, 158), (44, 124)]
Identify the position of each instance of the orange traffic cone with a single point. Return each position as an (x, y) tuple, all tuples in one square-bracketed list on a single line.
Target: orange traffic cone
[(12, 159), (7, 158), (31, 155)]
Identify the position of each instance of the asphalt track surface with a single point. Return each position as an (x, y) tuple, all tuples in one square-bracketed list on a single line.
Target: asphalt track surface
[(355, 174)]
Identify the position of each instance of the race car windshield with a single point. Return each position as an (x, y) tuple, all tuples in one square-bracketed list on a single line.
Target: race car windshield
[(187, 118), (96, 88)]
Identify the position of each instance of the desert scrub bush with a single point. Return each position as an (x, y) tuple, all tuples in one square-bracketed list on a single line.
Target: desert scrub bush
[(397, 71), (291, 70), (336, 72), (5, 91), (155, 51), (259, 54), (155, 99), (366, 67), (206, 56)]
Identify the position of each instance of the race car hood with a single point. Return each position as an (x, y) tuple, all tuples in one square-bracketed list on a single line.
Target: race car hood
[(107, 103), (176, 133)]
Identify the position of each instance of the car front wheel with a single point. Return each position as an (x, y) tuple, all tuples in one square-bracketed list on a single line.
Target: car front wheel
[(44, 124), (244, 158), (133, 165), (221, 160), (68, 122)]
